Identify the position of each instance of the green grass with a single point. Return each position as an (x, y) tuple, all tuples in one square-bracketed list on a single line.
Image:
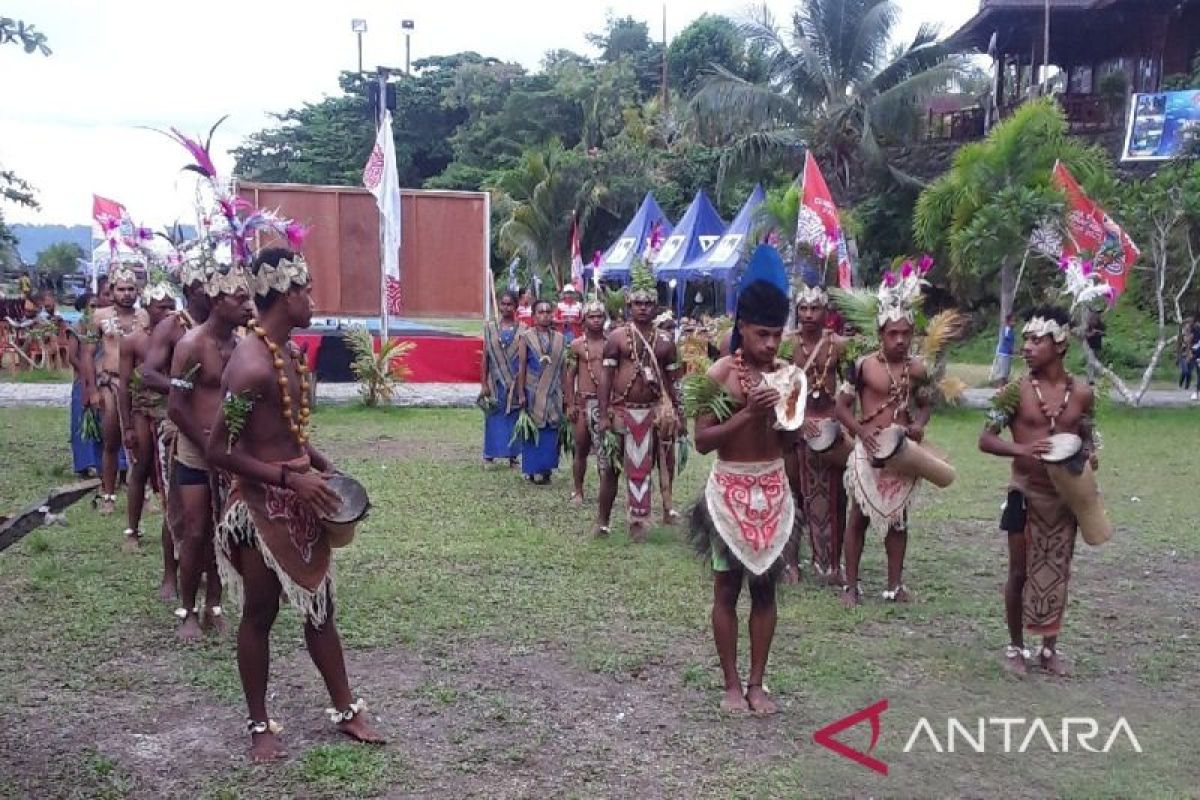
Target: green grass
[(36, 376), (498, 641)]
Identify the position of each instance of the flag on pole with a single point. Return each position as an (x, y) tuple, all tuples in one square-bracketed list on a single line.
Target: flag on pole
[(818, 224), (576, 255), (382, 180), (1091, 233)]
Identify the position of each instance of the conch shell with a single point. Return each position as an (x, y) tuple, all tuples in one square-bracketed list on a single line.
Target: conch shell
[(792, 385)]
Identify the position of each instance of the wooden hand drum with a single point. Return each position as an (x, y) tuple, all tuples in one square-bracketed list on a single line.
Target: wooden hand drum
[(340, 526), (1075, 481), (906, 457)]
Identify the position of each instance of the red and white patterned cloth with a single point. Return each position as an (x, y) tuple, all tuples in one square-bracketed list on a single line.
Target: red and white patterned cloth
[(751, 507)]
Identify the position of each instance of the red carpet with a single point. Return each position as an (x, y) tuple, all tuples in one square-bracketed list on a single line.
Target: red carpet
[(433, 359)]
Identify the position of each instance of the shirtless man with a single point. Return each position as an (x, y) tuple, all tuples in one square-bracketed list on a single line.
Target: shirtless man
[(274, 466), (197, 364), (639, 399), (101, 364), (891, 387), (744, 519), (141, 409), (1041, 528), (819, 352), (156, 377), (580, 386)]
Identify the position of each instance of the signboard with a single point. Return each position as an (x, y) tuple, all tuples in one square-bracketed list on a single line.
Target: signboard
[(729, 244), (620, 251), (1162, 125)]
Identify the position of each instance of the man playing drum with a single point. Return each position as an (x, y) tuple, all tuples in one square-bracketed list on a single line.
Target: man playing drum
[(1041, 527)]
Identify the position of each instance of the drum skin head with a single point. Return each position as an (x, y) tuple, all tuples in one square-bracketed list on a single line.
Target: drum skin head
[(354, 499)]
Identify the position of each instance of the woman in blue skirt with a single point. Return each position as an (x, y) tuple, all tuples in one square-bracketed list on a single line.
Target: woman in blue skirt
[(499, 397), (543, 357)]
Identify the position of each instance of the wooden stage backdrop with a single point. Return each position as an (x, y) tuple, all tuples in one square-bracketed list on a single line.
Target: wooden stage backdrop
[(444, 253)]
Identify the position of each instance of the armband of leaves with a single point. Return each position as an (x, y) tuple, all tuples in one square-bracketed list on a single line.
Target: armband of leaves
[(236, 408), (787, 349), (703, 395), (1003, 406), (572, 358)]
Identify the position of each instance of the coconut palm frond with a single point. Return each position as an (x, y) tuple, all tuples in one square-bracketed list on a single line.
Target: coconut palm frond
[(1008, 399), (858, 306), (702, 395), (945, 327), (952, 389)]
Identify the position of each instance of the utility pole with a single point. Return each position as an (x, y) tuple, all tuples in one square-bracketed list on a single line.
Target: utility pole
[(1046, 53), (666, 97), (359, 26), (408, 27)]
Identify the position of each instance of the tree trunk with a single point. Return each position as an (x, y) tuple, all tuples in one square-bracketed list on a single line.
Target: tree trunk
[(1008, 294), (1118, 384)]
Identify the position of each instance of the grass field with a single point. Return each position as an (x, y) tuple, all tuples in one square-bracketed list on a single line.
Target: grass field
[(506, 654)]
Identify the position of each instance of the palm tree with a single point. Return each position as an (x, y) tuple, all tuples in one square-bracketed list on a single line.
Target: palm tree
[(552, 188), (833, 83)]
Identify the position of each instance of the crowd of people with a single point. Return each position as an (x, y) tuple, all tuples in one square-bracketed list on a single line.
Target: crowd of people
[(621, 392)]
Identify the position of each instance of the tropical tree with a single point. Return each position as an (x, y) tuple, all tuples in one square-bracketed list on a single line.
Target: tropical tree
[(553, 188), (60, 258), (17, 32), (833, 81), (981, 214)]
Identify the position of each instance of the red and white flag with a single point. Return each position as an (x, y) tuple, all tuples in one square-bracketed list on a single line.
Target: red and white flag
[(382, 180), (576, 256), (818, 224), (1091, 233)]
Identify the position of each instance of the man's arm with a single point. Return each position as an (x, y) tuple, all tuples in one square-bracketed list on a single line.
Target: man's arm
[(179, 399), (608, 369), (923, 399), (672, 369), (156, 367), (522, 369), (1087, 426), (570, 375), (87, 367), (712, 435), (246, 381), (125, 394)]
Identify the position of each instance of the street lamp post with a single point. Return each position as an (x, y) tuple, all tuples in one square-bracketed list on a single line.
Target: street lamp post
[(359, 26), (408, 27)]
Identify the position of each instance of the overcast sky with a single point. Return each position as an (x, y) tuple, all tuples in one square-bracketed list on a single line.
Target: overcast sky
[(70, 123)]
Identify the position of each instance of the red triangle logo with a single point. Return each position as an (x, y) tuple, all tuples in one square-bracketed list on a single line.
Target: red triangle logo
[(824, 736)]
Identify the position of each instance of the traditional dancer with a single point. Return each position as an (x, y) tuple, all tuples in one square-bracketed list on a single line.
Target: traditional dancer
[(271, 540), (499, 400), (102, 362), (142, 409), (639, 401), (542, 355), (87, 453), (156, 377), (568, 314), (197, 363), (744, 519), (891, 387), (819, 352), (1041, 527), (580, 388)]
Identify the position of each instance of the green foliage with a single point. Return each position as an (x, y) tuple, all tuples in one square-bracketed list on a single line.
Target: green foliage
[(710, 41), (702, 395), (378, 372), (61, 258), (236, 409)]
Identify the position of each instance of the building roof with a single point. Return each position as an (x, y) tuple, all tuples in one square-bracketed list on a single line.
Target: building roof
[(994, 15)]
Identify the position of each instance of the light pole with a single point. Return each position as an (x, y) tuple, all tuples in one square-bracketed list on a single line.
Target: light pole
[(359, 26), (408, 27)]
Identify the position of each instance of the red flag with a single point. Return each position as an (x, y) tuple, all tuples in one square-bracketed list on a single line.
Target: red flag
[(818, 224), (108, 215), (576, 256), (1091, 232)]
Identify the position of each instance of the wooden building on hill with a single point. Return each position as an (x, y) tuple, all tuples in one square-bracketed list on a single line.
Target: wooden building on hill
[(1102, 49)]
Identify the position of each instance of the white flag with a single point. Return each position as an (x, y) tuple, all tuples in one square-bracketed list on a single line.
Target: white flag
[(382, 180)]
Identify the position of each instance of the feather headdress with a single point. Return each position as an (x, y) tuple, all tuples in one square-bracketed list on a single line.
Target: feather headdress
[(158, 287), (1083, 283), (810, 292), (282, 276)]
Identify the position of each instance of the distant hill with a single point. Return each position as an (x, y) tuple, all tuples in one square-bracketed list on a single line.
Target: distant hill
[(33, 239)]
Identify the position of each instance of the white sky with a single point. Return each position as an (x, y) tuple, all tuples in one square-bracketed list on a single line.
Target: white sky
[(69, 124)]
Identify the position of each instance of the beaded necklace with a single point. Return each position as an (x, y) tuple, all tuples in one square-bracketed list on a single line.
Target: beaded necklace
[(299, 428), (898, 394), (743, 371), (642, 367), (1053, 417), (816, 380), (587, 360)]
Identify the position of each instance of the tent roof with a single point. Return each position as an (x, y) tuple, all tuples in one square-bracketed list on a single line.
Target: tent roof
[(617, 259), (729, 252), (698, 230)]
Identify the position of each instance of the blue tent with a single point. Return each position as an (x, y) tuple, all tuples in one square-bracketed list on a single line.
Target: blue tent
[(615, 264), (698, 231), (722, 262)]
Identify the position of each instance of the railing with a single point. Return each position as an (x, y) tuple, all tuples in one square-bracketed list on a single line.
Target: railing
[(1085, 112)]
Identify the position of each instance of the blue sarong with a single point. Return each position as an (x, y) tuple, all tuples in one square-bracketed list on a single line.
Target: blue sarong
[(541, 456), (497, 435)]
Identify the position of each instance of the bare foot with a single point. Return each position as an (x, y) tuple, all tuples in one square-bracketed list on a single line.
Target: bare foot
[(897, 595), (130, 543), (1052, 663), (152, 505), (168, 591), (734, 702), (358, 729), (670, 517), (106, 507), (1014, 661), (637, 532), (760, 702), (190, 630), (266, 747), (835, 578), (576, 499), (601, 531), (214, 620), (851, 597), (791, 574)]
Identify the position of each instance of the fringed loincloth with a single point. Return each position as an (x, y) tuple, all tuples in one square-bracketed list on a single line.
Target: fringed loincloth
[(290, 537), (640, 452), (1050, 530), (745, 517), (822, 492), (883, 496)]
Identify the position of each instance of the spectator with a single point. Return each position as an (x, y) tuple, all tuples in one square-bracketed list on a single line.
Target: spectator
[(1002, 365), (1183, 354), (1093, 334), (525, 308)]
